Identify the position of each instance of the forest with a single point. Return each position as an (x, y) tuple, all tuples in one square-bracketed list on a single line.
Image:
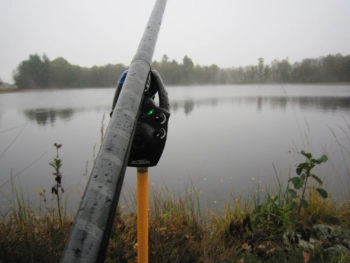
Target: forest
[(41, 72)]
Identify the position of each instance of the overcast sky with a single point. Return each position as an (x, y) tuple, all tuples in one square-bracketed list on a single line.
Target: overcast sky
[(222, 32)]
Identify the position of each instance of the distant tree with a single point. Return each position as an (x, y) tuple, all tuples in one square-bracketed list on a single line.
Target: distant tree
[(170, 71), (267, 73), (252, 74), (347, 68), (284, 70), (330, 68), (213, 72), (307, 71), (187, 64), (281, 71), (60, 73), (165, 59), (261, 70), (336, 68), (32, 73), (187, 71)]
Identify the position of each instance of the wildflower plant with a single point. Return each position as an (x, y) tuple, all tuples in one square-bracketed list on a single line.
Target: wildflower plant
[(57, 188), (300, 182)]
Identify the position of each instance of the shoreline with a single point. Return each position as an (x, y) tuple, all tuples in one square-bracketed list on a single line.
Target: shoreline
[(14, 89)]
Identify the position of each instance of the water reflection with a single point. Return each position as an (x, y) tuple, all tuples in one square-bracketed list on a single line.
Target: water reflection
[(48, 116), (276, 102)]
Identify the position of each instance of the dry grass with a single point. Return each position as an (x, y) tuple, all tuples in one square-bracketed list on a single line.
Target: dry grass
[(35, 239), (179, 231)]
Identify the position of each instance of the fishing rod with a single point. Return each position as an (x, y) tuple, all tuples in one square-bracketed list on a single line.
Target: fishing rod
[(92, 225)]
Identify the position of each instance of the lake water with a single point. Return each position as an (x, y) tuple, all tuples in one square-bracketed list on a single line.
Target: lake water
[(223, 140)]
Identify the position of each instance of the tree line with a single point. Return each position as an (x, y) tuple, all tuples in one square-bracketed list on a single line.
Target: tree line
[(40, 72)]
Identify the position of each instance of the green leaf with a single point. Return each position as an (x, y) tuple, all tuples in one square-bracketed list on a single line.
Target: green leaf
[(301, 167), (322, 192), (315, 161), (320, 182), (323, 159), (297, 182), (292, 193), (320, 160), (299, 170), (292, 205), (307, 155)]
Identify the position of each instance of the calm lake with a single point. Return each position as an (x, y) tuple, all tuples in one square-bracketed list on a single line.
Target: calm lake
[(224, 141)]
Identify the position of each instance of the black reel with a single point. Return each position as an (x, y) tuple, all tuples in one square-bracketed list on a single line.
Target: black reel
[(152, 125)]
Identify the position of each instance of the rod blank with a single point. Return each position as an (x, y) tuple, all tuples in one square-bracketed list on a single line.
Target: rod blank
[(90, 232)]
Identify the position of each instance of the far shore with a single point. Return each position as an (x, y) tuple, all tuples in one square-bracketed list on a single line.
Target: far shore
[(8, 88)]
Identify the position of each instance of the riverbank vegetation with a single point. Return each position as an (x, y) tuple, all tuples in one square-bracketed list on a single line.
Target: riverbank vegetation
[(5, 87), (41, 72), (293, 223)]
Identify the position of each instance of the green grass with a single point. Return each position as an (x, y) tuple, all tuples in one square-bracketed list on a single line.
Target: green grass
[(180, 231)]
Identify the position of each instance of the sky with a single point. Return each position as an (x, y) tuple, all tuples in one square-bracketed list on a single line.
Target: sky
[(228, 33)]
